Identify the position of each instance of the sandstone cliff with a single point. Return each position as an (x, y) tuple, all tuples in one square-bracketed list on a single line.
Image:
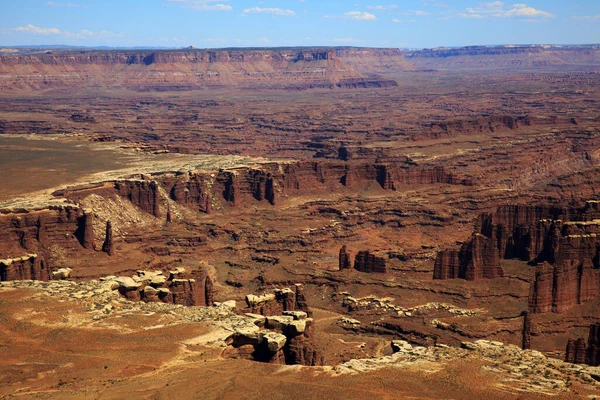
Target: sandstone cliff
[(191, 69)]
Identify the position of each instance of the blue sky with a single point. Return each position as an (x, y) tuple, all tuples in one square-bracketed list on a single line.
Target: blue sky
[(240, 23)]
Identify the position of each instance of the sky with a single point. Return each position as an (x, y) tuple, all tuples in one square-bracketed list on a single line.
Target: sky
[(268, 23)]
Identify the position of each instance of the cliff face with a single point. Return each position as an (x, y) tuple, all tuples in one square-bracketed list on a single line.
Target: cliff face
[(24, 239), (578, 352), (180, 70), (368, 262), (561, 241), (505, 57), (477, 259)]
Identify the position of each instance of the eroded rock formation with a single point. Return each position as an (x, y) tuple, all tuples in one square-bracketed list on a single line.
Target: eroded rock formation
[(28, 267), (108, 246), (281, 300), (366, 261), (578, 352), (477, 259), (344, 259), (180, 287)]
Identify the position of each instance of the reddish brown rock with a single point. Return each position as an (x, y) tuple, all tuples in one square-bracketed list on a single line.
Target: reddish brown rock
[(279, 301), (527, 325), (41, 234), (108, 246), (344, 259), (301, 303), (144, 194), (578, 352), (209, 292), (28, 267), (477, 259), (87, 230), (193, 194), (541, 289), (447, 265), (367, 262), (303, 350), (575, 279), (593, 346)]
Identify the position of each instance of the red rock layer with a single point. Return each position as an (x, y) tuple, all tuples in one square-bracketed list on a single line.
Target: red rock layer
[(189, 289), (477, 259), (368, 262), (193, 69), (344, 259), (31, 232), (283, 300), (526, 340), (108, 246), (579, 353), (574, 279), (29, 267)]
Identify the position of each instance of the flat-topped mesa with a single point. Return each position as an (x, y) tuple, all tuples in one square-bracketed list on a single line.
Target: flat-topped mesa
[(27, 267), (366, 261), (578, 352), (281, 300), (477, 259), (266, 183), (505, 57), (491, 124), (293, 68)]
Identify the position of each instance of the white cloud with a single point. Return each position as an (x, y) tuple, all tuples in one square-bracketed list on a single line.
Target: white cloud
[(497, 9), (381, 8), (273, 11), (204, 5), (588, 17), (523, 10), (37, 30), (344, 40), (53, 4), (360, 15), (404, 21)]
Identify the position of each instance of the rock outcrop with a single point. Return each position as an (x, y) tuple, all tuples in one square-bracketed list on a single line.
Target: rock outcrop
[(281, 300), (28, 267), (142, 193), (87, 230), (209, 294), (578, 352), (477, 259), (284, 339), (179, 287), (527, 326), (344, 259), (369, 262), (108, 246), (562, 241)]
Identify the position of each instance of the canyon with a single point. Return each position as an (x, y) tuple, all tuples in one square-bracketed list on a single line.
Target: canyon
[(377, 220)]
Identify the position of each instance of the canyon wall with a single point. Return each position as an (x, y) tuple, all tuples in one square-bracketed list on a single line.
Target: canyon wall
[(191, 69), (514, 57), (562, 241)]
